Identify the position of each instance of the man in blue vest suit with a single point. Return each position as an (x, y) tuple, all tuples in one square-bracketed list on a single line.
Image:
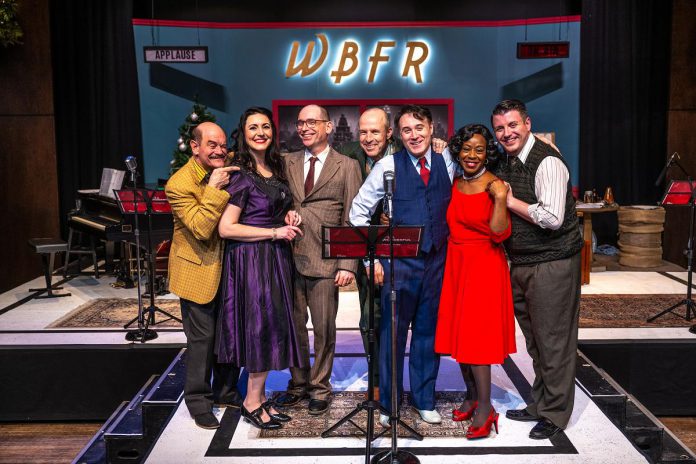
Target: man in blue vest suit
[(422, 191)]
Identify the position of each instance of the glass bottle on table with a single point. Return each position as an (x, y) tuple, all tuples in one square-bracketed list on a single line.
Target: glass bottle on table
[(609, 196)]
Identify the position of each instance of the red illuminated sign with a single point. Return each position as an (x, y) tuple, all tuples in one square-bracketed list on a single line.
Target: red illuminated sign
[(535, 50)]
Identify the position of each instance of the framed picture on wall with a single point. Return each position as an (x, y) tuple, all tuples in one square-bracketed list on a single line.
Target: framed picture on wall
[(345, 114)]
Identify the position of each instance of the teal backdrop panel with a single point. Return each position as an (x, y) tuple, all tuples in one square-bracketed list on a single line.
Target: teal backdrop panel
[(474, 65)]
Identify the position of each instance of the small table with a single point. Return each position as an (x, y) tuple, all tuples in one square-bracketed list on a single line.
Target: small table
[(586, 215)]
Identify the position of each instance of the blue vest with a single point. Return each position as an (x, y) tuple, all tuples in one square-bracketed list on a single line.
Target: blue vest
[(415, 204)]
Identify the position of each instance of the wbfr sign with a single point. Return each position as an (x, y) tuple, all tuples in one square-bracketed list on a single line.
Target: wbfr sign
[(414, 55)]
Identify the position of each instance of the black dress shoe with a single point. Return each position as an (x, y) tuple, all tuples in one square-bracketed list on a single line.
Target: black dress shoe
[(317, 407), (278, 416), (289, 399), (520, 415), (254, 418), (207, 420), (544, 429)]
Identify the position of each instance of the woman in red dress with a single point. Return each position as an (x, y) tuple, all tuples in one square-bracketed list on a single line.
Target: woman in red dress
[(475, 322)]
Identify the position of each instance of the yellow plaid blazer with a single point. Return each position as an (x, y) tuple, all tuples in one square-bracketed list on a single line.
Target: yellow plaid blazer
[(195, 257)]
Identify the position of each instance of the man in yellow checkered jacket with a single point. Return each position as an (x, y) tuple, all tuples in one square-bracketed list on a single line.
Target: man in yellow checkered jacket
[(197, 196)]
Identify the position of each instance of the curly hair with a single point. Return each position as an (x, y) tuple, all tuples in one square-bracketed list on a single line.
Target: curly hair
[(243, 157), (465, 133)]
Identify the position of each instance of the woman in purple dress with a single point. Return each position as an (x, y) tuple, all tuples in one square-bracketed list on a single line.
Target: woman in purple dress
[(255, 328)]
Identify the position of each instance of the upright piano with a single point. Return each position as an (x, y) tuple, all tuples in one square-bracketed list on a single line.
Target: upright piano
[(101, 217)]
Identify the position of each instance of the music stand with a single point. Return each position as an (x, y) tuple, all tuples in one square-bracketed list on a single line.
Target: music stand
[(682, 193), (144, 202), (370, 242)]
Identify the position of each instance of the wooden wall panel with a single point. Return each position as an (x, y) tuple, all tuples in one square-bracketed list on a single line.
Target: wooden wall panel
[(28, 178), (681, 136)]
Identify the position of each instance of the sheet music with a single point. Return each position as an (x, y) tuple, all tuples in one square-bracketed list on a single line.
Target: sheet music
[(112, 179)]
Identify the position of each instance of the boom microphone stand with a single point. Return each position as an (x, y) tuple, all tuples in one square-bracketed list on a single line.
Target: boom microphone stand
[(394, 455), (142, 333), (689, 252)]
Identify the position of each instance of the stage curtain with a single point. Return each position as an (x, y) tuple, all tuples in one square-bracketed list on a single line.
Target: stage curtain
[(624, 98), (97, 109)]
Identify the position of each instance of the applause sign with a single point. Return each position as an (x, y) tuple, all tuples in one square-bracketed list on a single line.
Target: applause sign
[(176, 54)]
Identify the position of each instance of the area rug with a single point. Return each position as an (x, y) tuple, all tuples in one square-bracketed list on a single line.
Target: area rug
[(304, 425), (596, 311), (115, 312), (628, 311)]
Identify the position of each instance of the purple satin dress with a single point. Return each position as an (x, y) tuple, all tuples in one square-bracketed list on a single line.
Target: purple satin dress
[(255, 328)]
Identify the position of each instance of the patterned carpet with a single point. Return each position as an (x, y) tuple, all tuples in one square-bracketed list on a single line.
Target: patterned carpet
[(115, 312), (596, 311), (304, 425), (604, 311)]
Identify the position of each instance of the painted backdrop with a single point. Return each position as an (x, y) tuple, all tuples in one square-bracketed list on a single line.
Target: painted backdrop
[(474, 64)]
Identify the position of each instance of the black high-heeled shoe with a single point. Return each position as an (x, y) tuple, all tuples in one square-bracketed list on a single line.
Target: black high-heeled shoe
[(254, 418), (278, 416)]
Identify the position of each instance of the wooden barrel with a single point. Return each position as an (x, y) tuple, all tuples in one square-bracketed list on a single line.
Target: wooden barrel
[(640, 235)]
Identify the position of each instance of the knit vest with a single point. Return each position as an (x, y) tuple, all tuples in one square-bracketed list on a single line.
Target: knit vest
[(529, 243), (416, 204)]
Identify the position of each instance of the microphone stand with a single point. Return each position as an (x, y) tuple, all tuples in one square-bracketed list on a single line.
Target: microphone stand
[(394, 455), (142, 333), (689, 252)]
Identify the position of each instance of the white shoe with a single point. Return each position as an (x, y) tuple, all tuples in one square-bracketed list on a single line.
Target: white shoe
[(430, 416), (384, 420)]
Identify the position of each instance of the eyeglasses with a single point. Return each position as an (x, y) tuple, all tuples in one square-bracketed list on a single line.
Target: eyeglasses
[(311, 123)]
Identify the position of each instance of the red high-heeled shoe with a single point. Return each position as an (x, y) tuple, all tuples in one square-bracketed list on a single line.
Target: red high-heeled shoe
[(460, 416), (485, 430)]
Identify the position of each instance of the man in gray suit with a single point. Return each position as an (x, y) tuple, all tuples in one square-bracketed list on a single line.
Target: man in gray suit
[(323, 183)]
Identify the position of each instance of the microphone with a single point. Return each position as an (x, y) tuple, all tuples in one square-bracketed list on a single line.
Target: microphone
[(131, 163), (388, 183), (388, 178), (661, 177)]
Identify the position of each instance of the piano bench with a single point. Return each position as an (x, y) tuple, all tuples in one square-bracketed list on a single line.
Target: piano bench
[(79, 250), (47, 248)]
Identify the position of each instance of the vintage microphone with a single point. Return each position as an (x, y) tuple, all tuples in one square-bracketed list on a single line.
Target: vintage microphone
[(388, 179), (132, 166)]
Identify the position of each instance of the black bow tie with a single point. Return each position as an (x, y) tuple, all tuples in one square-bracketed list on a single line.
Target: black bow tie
[(206, 179)]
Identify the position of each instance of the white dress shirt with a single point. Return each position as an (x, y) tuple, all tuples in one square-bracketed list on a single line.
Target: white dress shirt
[(318, 164), (550, 187)]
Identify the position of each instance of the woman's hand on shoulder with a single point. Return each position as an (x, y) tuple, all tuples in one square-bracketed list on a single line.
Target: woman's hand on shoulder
[(497, 188)]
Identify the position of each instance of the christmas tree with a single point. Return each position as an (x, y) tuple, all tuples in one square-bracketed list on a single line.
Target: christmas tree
[(182, 153), (10, 31)]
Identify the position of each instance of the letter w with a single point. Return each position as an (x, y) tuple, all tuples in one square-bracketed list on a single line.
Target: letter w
[(305, 68)]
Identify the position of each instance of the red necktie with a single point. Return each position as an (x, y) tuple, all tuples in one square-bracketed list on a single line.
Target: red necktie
[(424, 172), (309, 181)]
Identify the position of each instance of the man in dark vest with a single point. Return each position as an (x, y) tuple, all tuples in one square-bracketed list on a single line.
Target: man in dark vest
[(422, 192), (544, 251)]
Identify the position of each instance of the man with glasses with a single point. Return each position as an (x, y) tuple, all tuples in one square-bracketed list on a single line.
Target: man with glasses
[(323, 183), (197, 195)]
